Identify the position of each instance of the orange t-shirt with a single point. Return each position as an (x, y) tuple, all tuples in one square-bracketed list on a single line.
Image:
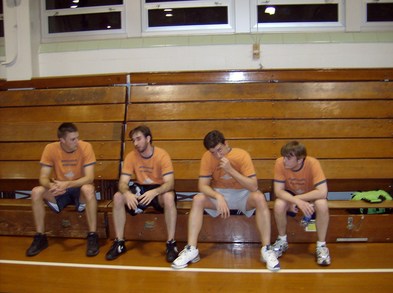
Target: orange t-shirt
[(68, 166), (303, 180), (240, 161), (149, 170)]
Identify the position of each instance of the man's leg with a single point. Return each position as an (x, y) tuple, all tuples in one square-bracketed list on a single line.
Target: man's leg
[(40, 241), (322, 218), (119, 220), (170, 213), (262, 215), (190, 253), (322, 223), (38, 208), (263, 221), (280, 215), (167, 200), (88, 196)]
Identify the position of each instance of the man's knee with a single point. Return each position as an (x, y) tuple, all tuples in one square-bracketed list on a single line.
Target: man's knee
[(168, 199), (37, 193), (88, 191), (321, 206), (280, 206)]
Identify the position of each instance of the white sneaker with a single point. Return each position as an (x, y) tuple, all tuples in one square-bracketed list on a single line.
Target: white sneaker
[(280, 246), (269, 257), (323, 256), (81, 207), (189, 254)]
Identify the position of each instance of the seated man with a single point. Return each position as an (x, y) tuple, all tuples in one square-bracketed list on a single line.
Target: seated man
[(152, 167), (72, 163), (299, 183), (227, 181)]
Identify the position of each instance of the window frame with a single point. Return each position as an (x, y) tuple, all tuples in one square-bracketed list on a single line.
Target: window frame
[(187, 29), (297, 26), (81, 35), (374, 25)]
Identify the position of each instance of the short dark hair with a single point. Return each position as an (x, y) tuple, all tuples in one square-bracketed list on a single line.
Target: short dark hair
[(65, 128), (144, 130), (294, 148), (213, 138)]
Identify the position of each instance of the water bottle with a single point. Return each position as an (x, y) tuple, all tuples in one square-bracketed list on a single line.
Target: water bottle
[(305, 221)]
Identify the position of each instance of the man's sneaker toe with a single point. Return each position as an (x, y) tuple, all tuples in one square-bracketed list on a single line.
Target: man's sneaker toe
[(118, 248), (188, 255), (93, 247), (40, 242)]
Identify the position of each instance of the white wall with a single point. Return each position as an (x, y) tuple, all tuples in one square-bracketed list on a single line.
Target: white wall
[(217, 57), (345, 50)]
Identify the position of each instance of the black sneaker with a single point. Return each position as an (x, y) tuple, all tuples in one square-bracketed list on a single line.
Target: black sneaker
[(40, 242), (93, 247), (171, 251), (118, 248)]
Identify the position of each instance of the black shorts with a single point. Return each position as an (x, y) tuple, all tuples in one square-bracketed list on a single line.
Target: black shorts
[(138, 189), (70, 197)]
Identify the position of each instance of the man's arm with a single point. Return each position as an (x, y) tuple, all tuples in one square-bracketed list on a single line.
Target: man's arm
[(249, 183), (87, 179), (301, 200), (44, 179), (168, 185), (130, 198)]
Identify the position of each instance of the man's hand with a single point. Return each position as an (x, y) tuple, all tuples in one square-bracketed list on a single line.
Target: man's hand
[(306, 207), (131, 200), (222, 207), (57, 187), (147, 197), (225, 165)]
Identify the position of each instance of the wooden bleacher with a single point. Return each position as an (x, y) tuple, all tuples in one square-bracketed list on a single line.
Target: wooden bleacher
[(343, 116)]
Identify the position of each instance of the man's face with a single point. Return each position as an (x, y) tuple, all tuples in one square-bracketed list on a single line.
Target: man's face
[(291, 162), (140, 142), (70, 141), (220, 150)]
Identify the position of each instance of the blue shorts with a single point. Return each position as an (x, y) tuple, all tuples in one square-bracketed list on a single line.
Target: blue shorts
[(70, 197)]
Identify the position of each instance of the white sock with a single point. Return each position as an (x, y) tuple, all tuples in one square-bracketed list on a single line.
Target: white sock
[(283, 238), (321, 243)]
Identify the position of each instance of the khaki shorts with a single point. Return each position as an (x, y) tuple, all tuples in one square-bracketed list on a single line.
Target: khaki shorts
[(236, 200)]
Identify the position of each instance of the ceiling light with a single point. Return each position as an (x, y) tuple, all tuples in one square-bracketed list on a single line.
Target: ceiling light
[(270, 10)]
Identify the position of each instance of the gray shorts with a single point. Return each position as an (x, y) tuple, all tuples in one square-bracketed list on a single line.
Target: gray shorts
[(236, 200)]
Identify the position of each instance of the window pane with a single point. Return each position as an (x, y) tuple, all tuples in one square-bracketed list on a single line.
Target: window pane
[(1, 20), (298, 13), (379, 11), (66, 4), (84, 22), (1, 28), (188, 16)]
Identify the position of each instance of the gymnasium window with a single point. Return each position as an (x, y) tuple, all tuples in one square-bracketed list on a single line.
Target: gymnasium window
[(1, 20), (187, 16), (302, 15), (377, 14), (82, 17)]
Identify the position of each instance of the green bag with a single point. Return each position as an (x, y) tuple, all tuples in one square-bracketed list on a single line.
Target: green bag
[(373, 196)]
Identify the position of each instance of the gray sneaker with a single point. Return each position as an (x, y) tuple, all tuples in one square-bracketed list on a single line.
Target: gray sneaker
[(323, 256), (280, 246)]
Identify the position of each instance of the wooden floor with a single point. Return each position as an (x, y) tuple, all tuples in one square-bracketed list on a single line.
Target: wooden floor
[(63, 267)]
